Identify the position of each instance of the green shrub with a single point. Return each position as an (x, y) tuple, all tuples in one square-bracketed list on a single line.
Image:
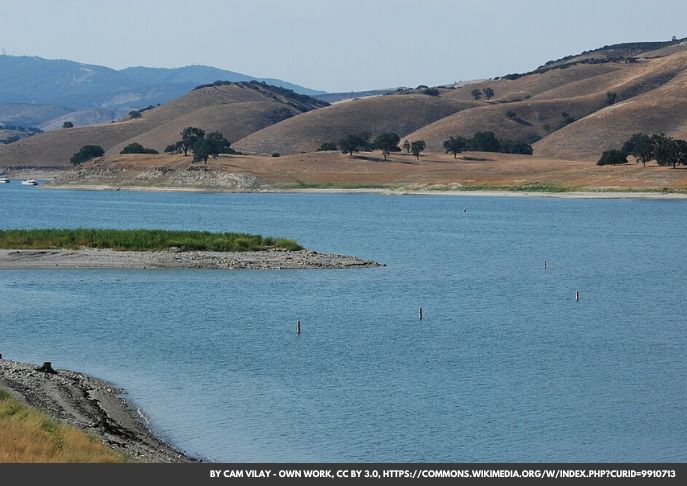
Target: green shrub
[(137, 148), (327, 146), (431, 92), (86, 153), (612, 157)]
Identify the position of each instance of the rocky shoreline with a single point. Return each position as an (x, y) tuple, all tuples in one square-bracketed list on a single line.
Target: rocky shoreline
[(89, 404), (252, 260)]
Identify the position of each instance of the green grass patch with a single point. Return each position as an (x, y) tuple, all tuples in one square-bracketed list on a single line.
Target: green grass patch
[(541, 187), (140, 240)]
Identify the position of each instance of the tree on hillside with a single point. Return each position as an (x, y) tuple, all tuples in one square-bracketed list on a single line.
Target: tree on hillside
[(406, 146), (86, 153), (217, 144), (174, 148), (418, 147), (189, 137), (431, 91), (611, 97), (327, 146), (485, 142), (476, 93), (354, 143), (640, 147), (387, 142), (488, 93), (455, 145), (666, 150), (210, 145), (137, 148), (681, 146), (612, 157), (68, 124), (514, 147)]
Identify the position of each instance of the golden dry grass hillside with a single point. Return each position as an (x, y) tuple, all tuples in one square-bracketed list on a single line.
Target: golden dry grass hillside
[(235, 110), (563, 106), (661, 110), (474, 170), (571, 112), (30, 436), (400, 114)]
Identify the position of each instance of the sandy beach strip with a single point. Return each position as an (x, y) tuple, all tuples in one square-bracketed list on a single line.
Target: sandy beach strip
[(90, 404), (601, 194), (252, 260)]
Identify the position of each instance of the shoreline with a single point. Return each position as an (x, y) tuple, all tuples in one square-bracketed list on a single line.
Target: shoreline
[(601, 194), (91, 258), (91, 405)]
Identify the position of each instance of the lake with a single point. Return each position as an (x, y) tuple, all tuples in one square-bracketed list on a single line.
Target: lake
[(505, 366)]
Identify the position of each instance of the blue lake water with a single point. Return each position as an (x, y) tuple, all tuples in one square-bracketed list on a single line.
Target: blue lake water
[(506, 366)]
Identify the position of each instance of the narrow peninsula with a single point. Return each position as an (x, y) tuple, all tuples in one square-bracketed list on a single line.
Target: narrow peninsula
[(160, 249)]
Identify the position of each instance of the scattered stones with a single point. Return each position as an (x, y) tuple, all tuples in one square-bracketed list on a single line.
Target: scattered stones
[(89, 404), (97, 258)]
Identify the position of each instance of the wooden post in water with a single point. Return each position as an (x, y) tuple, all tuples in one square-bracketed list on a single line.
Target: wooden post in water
[(545, 262), (298, 328), (577, 296), (0, 355), (419, 313)]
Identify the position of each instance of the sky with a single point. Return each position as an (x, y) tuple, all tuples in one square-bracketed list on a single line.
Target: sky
[(334, 45)]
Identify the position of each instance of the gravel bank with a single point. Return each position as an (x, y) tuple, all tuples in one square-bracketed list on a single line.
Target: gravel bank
[(90, 404), (95, 258)]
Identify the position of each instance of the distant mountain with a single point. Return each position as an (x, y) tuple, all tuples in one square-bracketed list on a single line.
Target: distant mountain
[(84, 86), (29, 114)]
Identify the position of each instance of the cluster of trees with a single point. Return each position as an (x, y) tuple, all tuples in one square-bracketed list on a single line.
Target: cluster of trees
[(86, 153), (139, 113), (485, 142), (137, 148), (387, 142), (487, 92), (666, 151), (355, 143), (202, 145)]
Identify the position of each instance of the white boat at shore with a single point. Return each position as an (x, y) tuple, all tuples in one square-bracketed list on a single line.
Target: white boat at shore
[(29, 182), (4, 180)]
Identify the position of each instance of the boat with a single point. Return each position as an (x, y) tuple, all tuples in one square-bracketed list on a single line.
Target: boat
[(29, 182), (4, 180)]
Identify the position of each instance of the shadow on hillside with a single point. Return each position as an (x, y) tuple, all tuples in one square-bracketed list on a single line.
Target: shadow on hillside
[(381, 159)]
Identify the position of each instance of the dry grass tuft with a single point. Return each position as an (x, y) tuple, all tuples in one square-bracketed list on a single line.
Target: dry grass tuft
[(30, 436)]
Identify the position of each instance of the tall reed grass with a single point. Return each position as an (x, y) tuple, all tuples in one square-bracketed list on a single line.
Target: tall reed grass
[(140, 240)]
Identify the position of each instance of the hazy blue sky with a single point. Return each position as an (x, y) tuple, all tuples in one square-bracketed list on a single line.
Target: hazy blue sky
[(334, 45)]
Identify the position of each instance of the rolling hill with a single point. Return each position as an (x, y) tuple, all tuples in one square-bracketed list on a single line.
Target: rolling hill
[(565, 105), (234, 109), (572, 108), (401, 114), (26, 79)]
